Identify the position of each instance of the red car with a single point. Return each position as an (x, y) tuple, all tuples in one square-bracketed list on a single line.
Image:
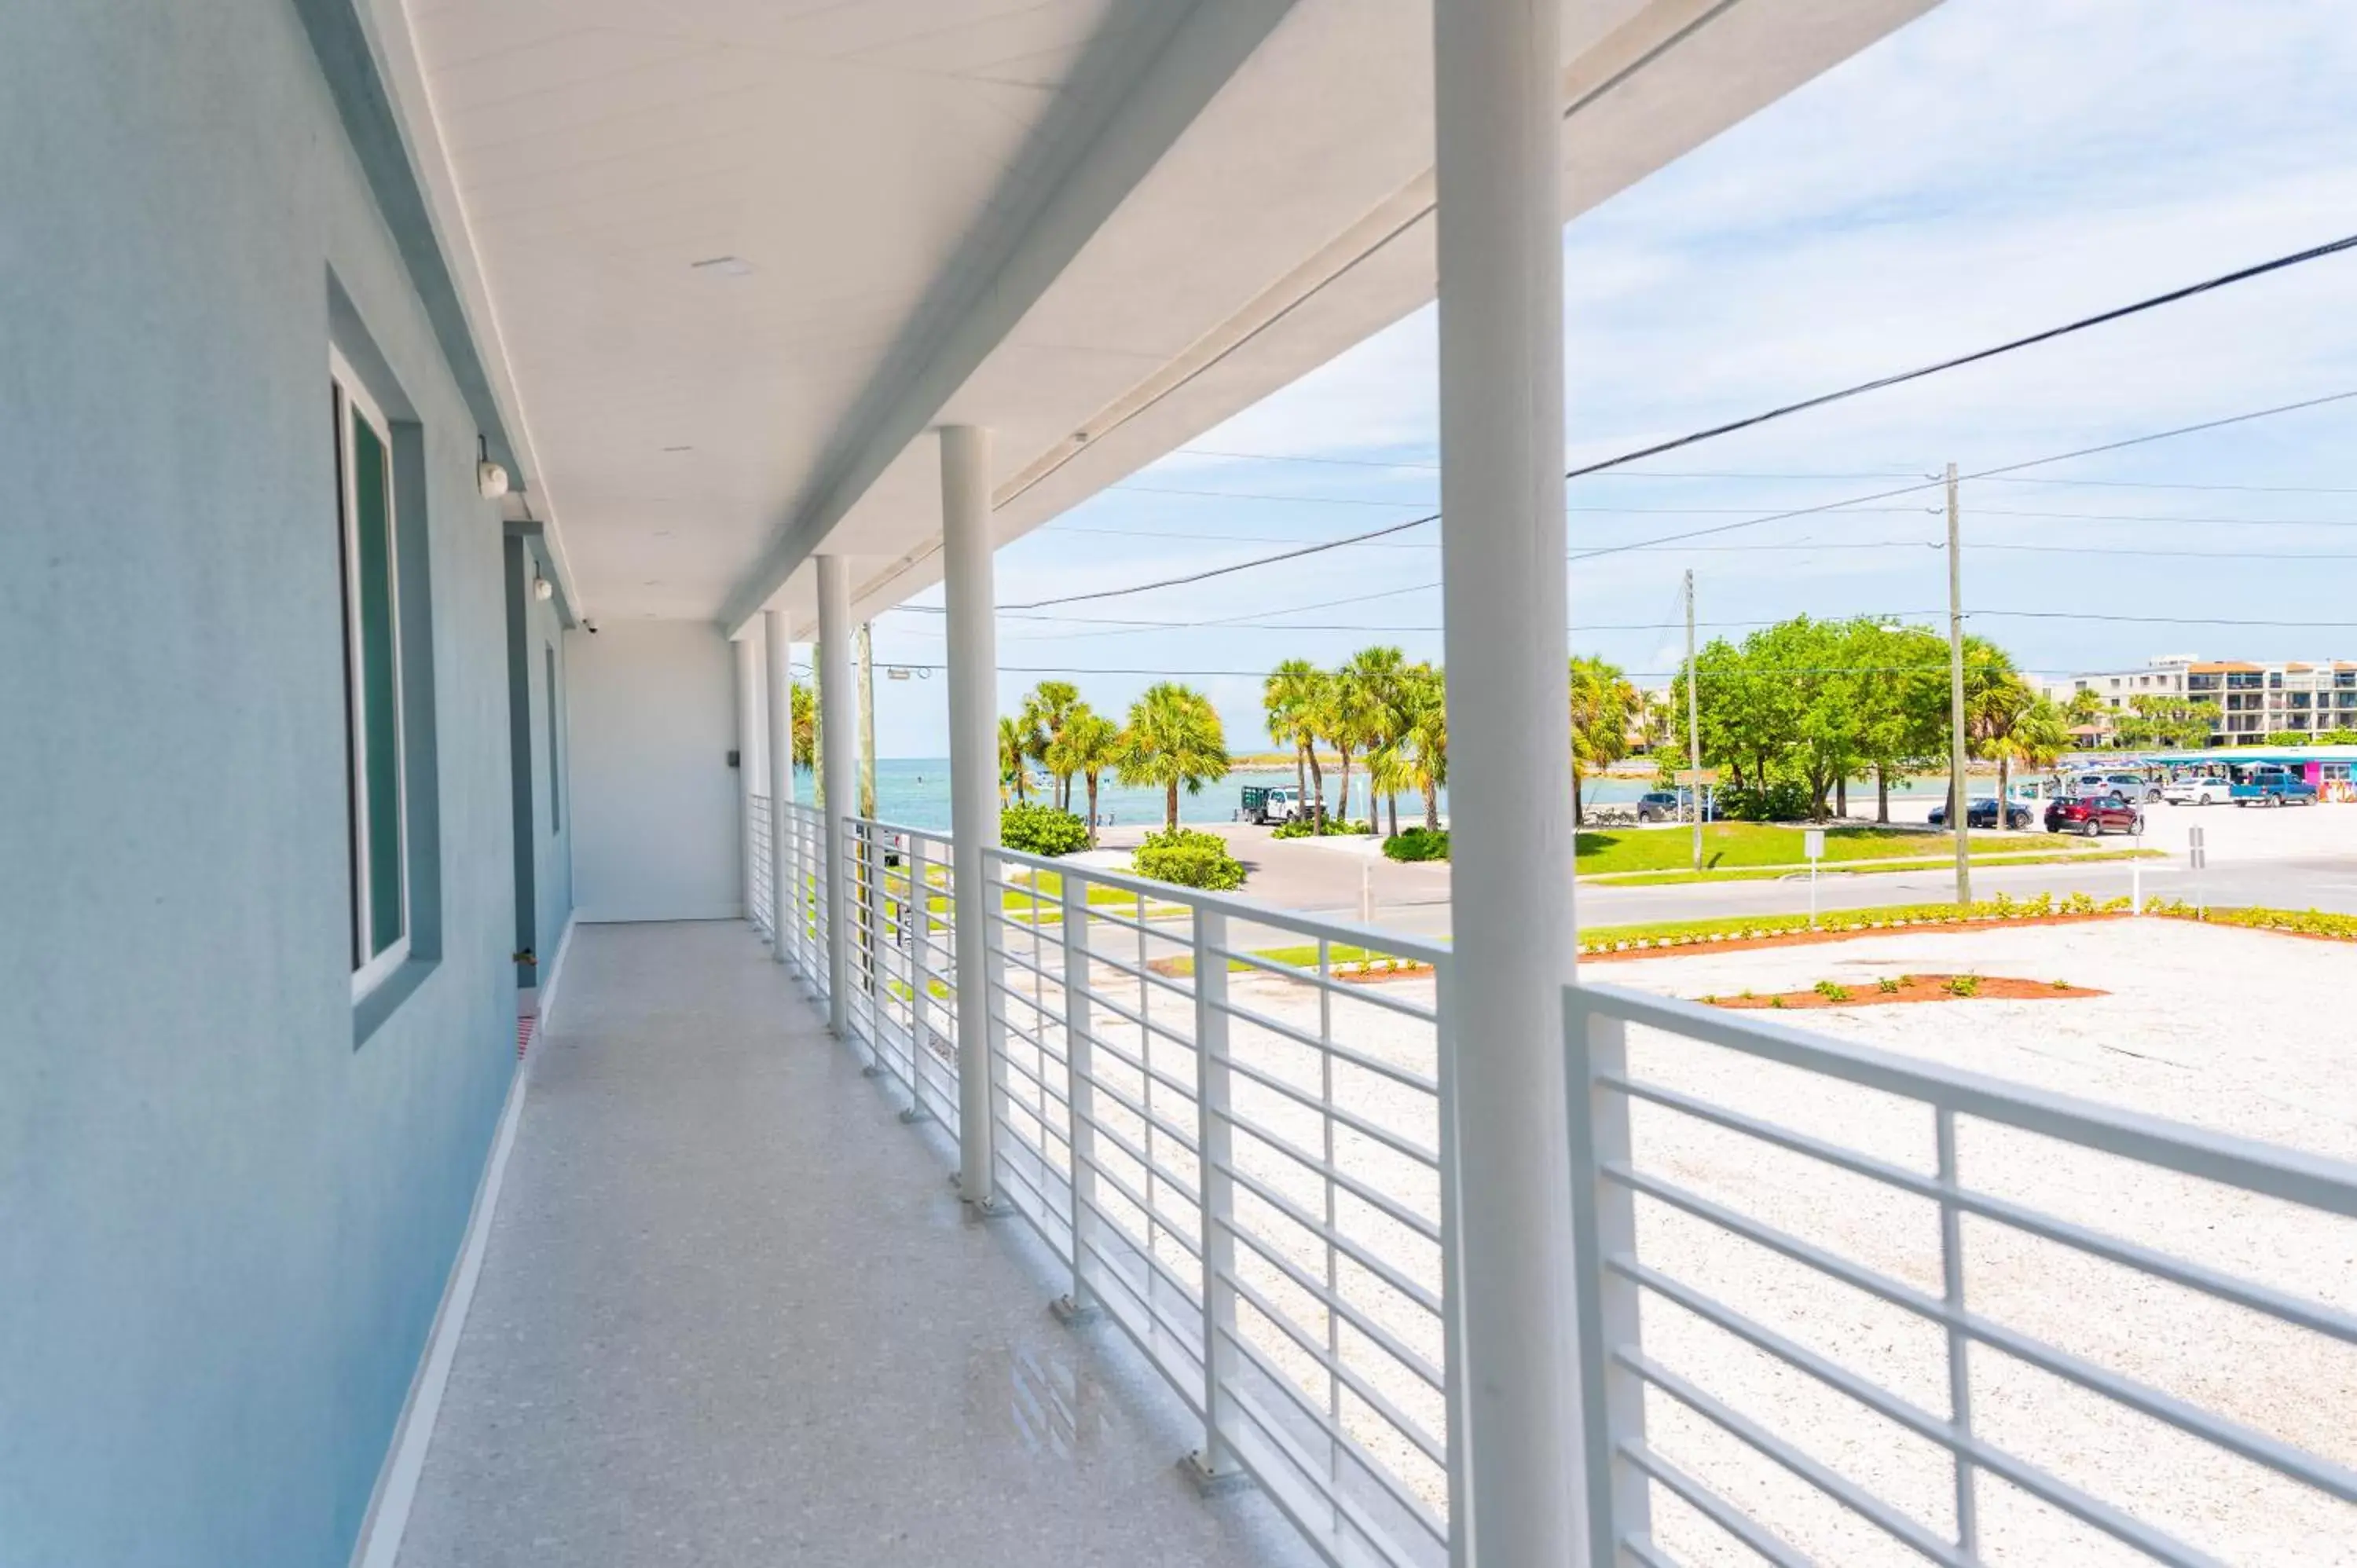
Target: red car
[(2093, 814)]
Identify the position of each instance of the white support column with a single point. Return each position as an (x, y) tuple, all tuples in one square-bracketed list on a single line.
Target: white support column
[(1498, 117), (781, 782), (839, 754), (970, 597)]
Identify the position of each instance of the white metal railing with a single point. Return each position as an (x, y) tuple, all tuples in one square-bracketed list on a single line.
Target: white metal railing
[(804, 944), (900, 889), (1235, 1150), (1780, 1346), (760, 876)]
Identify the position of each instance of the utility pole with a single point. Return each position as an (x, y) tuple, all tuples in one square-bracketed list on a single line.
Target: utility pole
[(863, 643), (1693, 720), (1956, 807)]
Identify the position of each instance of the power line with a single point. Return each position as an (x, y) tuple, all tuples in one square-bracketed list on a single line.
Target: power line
[(1881, 384), (1850, 503), (2191, 485), (1435, 468)]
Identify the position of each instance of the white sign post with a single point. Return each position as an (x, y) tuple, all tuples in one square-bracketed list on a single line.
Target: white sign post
[(2197, 860), (1814, 845)]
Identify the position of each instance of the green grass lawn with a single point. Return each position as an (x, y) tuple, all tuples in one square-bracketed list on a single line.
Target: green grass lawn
[(1730, 844)]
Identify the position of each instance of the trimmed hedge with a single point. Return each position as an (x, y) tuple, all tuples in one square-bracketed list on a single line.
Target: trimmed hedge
[(1041, 830), (1189, 859), (1418, 844)]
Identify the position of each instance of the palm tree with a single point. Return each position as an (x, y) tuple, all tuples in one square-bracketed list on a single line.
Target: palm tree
[(1173, 739), (1087, 744), (1424, 706), (1014, 752), (1373, 676), (2016, 726), (1601, 697), (1045, 712), (1293, 696)]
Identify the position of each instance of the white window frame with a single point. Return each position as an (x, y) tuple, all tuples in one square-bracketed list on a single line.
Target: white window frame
[(351, 398)]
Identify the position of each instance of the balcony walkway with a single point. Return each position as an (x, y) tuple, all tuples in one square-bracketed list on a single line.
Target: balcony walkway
[(730, 1313)]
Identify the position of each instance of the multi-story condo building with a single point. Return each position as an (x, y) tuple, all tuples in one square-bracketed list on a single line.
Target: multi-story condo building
[(2251, 699)]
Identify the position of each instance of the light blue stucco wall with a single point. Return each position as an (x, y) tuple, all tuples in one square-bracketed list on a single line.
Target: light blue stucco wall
[(223, 1228)]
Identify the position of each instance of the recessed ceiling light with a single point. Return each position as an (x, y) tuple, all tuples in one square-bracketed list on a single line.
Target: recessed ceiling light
[(678, 449), (722, 266)]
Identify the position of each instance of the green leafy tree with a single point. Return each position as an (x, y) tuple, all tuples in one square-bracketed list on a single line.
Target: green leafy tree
[(1601, 702), (1087, 746), (802, 706), (1294, 697), (2035, 734), (2158, 721), (1173, 740)]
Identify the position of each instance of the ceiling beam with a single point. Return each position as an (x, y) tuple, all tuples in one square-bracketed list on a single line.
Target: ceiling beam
[(1129, 103)]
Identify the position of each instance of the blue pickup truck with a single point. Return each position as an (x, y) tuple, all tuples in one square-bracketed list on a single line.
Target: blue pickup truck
[(2270, 784)]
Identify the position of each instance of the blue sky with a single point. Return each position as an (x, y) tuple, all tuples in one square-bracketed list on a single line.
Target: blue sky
[(1998, 168)]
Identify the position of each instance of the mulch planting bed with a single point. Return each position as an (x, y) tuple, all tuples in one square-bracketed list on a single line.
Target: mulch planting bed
[(1911, 988)]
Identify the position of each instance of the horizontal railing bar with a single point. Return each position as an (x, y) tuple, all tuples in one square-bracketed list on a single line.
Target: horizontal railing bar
[(1246, 909), (2260, 1298), (1389, 1343), (1331, 1499), (2257, 1447), (1906, 1532), (1357, 1124), (1186, 1339), (1185, 1136), (1713, 1507), (1645, 1554), (1183, 1088), (2312, 1181), (1396, 1211), (1415, 1506), (1194, 1247), (1326, 980), (1407, 1076), (1934, 1429), (1398, 1419), (1120, 1141), (1425, 1298)]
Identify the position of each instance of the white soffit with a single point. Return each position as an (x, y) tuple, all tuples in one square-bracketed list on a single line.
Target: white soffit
[(1128, 217)]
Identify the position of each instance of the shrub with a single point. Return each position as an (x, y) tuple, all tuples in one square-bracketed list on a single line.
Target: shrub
[(1833, 990), (1786, 801), (1041, 830), (1887, 985), (1418, 844), (1964, 985), (1298, 828), (1189, 859)]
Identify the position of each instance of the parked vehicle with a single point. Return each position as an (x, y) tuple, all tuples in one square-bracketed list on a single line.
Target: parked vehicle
[(2093, 814), (2197, 790), (1660, 806), (2271, 784), (2126, 786), (1269, 804), (1982, 813)]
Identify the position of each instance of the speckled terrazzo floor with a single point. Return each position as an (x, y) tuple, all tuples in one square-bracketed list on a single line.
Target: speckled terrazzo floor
[(731, 1314)]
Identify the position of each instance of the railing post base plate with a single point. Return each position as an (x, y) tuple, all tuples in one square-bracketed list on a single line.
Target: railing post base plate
[(1209, 1483), (991, 1207), (912, 1115), (1073, 1314)]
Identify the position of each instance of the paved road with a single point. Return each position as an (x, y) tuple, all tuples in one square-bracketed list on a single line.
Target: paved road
[(2297, 861)]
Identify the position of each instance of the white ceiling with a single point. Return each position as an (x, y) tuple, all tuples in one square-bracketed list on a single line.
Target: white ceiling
[(1128, 218)]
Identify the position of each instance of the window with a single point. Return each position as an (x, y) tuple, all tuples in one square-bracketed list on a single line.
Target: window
[(375, 772), (555, 811)]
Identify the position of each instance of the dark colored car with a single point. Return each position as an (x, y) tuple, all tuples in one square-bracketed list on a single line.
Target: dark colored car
[(1982, 813), (1659, 806), (2093, 814)]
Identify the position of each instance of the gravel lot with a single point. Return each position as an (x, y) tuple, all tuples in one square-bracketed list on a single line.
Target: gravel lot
[(2242, 1032)]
